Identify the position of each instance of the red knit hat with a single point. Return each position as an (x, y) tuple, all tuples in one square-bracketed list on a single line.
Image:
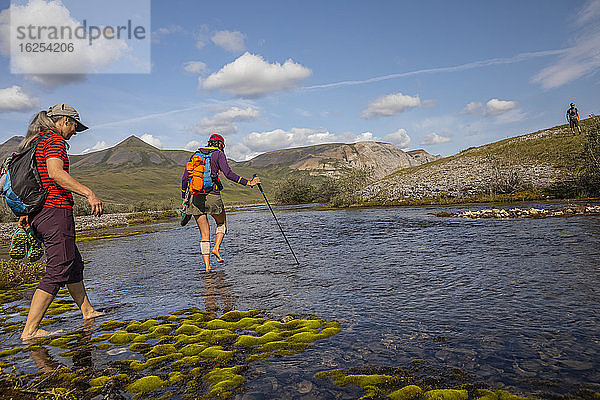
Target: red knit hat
[(217, 137)]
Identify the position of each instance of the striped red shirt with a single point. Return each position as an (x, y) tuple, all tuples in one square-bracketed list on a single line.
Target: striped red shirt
[(53, 145)]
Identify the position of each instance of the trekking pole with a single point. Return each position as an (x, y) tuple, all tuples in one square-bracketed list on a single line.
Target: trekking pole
[(278, 224)]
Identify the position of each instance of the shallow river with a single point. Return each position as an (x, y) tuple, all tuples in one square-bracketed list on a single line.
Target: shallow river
[(512, 304)]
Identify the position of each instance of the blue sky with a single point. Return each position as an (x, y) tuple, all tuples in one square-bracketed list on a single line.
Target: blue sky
[(437, 75)]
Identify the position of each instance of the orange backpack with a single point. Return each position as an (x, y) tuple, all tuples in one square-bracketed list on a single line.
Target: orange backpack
[(200, 178)]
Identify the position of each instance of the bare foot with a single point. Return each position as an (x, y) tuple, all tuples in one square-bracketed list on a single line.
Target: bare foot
[(216, 253), (40, 333), (93, 314)]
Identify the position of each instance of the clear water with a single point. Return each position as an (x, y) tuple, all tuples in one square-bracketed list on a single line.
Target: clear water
[(511, 303)]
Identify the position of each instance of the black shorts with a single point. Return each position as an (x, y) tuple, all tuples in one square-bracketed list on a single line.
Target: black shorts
[(573, 123), (56, 228)]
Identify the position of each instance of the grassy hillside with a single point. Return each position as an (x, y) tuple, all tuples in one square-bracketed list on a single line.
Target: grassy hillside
[(541, 164)]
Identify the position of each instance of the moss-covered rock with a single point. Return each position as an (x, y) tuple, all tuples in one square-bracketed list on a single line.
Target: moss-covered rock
[(236, 315), (249, 341), (122, 337), (446, 394), (112, 325), (410, 392), (223, 380), (188, 329), (484, 394), (99, 381), (163, 349), (505, 395), (217, 353), (146, 384), (193, 349)]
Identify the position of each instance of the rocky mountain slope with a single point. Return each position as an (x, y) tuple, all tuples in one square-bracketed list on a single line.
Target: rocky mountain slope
[(536, 160), (332, 159)]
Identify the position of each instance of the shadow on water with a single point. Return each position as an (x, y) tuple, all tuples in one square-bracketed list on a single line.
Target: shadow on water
[(512, 304)]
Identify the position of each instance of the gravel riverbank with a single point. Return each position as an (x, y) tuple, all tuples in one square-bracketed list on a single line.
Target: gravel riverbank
[(82, 223)]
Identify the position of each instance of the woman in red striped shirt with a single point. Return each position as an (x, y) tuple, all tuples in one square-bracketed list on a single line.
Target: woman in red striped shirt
[(54, 224)]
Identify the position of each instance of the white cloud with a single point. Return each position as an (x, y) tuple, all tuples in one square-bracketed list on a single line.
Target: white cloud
[(195, 67), (497, 107), (14, 99), (472, 108), (251, 76), (389, 105), (281, 139), (161, 33), (400, 138), (70, 66), (434, 138), (240, 152), (100, 145), (194, 145), (224, 122), (582, 59), (230, 41), (151, 140)]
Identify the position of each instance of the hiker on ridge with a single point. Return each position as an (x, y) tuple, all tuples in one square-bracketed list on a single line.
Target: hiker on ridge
[(201, 190), (573, 118), (54, 224)]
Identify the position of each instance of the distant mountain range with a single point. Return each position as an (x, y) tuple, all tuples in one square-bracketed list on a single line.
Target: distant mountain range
[(135, 171)]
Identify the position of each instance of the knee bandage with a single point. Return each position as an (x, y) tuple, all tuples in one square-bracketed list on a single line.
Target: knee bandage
[(205, 247), (222, 228)]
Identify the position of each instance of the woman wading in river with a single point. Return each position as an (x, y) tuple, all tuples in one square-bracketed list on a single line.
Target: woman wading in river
[(54, 224), (201, 190)]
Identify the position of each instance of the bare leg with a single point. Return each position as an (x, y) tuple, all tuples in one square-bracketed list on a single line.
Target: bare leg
[(219, 219), (78, 293), (39, 304), (202, 222)]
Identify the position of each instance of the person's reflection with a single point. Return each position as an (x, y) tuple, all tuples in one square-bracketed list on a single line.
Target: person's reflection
[(217, 293), (42, 359)]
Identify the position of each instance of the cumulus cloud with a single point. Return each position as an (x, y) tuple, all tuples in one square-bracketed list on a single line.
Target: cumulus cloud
[(151, 140), (281, 139), (434, 138), (193, 145), (251, 76), (497, 107), (68, 65), (14, 99), (582, 59), (100, 145), (400, 138), (472, 108), (230, 41), (224, 122), (195, 67), (389, 105)]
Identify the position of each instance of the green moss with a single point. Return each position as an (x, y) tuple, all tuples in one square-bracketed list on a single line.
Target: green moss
[(342, 379), (249, 341), (101, 338), (111, 325), (139, 347), (409, 392), (217, 353), (484, 394), (504, 395), (146, 384), (134, 326), (104, 346), (222, 380), (255, 357), (100, 381), (237, 315), (163, 349), (146, 325), (141, 338), (216, 336), (193, 349), (122, 337), (161, 330), (270, 326), (52, 311), (154, 361), (244, 323), (304, 337), (176, 377), (446, 394), (188, 361), (188, 329), (327, 332)]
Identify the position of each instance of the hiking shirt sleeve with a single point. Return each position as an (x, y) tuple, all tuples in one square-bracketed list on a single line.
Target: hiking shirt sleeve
[(184, 182), (224, 166)]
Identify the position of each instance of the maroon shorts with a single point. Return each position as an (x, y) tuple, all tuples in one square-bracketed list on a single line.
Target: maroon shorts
[(56, 228)]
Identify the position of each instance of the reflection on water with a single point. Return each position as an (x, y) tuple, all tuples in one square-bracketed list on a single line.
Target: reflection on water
[(512, 303), (217, 293)]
